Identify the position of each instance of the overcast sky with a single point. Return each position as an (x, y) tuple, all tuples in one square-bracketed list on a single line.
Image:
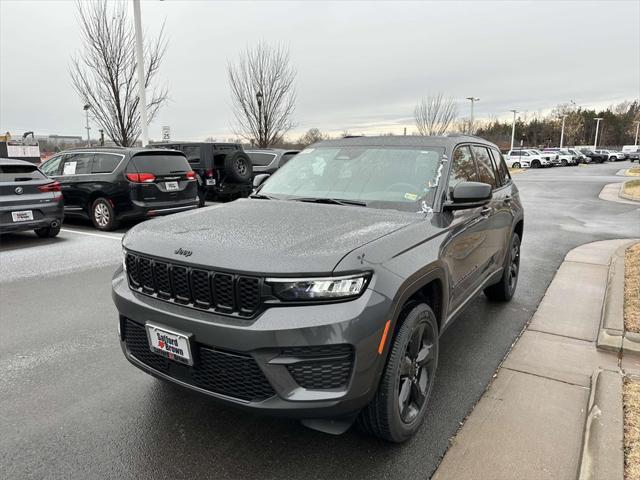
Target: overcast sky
[(361, 65)]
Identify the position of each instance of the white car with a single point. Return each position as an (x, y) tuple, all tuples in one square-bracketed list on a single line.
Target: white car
[(526, 158), (632, 151), (565, 156), (611, 155), (580, 157)]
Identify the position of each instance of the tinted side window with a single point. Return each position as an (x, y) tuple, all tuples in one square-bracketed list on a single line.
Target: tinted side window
[(159, 163), (192, 152), (105, 162), (463, 169), (52, 166), (286, 157), (261, 159), (502, 166), (486, 173), (77, 163)]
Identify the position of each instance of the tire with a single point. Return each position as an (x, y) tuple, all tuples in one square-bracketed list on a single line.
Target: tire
[(417, 339), (503, 290), (48, 232), (564, 162), (516, 165), (238, 167), (535, 164), (102, 215)]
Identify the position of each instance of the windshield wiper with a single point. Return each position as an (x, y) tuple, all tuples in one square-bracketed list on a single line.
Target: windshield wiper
[(262, 197), (331, 201)]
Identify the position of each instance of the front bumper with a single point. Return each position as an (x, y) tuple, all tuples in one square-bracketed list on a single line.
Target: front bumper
[(284, 346)]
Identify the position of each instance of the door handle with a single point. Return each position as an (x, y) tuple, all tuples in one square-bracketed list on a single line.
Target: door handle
[(486, 211)]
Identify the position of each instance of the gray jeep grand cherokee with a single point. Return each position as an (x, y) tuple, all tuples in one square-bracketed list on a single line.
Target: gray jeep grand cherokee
[(323, 296)]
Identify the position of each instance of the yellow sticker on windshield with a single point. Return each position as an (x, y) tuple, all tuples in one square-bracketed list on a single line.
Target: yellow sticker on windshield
[(411, 196)]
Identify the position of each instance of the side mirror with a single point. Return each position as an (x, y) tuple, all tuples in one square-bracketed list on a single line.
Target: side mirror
[(469, 195), (259, 179)]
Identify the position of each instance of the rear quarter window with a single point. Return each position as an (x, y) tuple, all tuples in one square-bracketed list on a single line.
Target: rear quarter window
[(159, 164), (20, 173), (261, 159), (105, 162)]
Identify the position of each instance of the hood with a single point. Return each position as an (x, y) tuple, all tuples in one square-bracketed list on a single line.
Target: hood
[(265, 236)]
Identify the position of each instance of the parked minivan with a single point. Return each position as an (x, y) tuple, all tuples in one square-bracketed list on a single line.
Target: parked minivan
[(107, 185)]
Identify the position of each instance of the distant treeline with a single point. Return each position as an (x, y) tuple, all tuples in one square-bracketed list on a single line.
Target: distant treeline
[(617, 127)]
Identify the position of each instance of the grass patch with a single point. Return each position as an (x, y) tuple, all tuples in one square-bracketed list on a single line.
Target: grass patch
[(632, 187), (632, 288), (634, 172), (631, 400), (513, 171)]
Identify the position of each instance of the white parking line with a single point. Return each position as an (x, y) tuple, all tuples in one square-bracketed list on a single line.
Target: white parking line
[(91, 234)]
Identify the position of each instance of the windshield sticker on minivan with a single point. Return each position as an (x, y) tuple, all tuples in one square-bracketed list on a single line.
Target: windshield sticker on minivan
[(69, 168)]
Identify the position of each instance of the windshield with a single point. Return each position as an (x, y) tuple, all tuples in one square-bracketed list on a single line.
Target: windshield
[(380, 177)]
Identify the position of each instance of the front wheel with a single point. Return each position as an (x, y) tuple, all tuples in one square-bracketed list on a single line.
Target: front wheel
[(103, 215), (398, 407), (503, 290), (535, 164), (564, 163)]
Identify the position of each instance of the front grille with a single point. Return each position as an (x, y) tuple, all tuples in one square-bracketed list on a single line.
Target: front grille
[(203, 289), (232, 374), (320, 367)]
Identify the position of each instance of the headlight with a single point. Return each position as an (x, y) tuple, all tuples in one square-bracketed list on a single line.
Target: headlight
[(292, 289), (124, 260)]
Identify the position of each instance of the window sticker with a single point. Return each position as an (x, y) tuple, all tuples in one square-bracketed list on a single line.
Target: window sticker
[(69, 168)]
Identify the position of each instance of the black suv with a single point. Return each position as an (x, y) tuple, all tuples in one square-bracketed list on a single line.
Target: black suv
[(268, 160), (223, 170), (323, 296), (111, 184)]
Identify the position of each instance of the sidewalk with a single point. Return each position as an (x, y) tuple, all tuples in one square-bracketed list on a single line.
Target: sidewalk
[(532, 421)]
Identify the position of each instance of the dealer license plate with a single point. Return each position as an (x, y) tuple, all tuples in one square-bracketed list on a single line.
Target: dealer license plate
[(169, 343), (171, 186), (22, 216), (211, 181)]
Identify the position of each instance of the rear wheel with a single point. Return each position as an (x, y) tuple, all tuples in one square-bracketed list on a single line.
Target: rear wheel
[(102, 215), (48, 232), (516, 165), (399, 405), (503, 290)]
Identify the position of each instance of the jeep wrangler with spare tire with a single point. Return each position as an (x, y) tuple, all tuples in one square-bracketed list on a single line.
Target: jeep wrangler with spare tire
[(323, 296), (223, 170)]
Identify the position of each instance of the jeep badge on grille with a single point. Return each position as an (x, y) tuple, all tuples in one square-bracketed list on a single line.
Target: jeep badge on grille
[(183, 252)]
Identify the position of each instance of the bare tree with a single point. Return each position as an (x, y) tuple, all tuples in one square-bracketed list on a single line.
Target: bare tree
[(104, 72), (312, 135), (434, 114), (262, 93)]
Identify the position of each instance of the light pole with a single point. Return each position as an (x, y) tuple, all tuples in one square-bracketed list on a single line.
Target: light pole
[(259, 100), (473, 101), (513, 128), (142, 97), (637, 129), (86, 111), (564, 117), (595, 142)]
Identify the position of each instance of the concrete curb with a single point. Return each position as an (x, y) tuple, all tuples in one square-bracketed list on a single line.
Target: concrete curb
[(610, 193), (612, 335), (621, 193), (602, 449)]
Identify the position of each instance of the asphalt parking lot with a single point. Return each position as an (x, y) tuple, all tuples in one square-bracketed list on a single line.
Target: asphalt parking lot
[(73, 407)]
